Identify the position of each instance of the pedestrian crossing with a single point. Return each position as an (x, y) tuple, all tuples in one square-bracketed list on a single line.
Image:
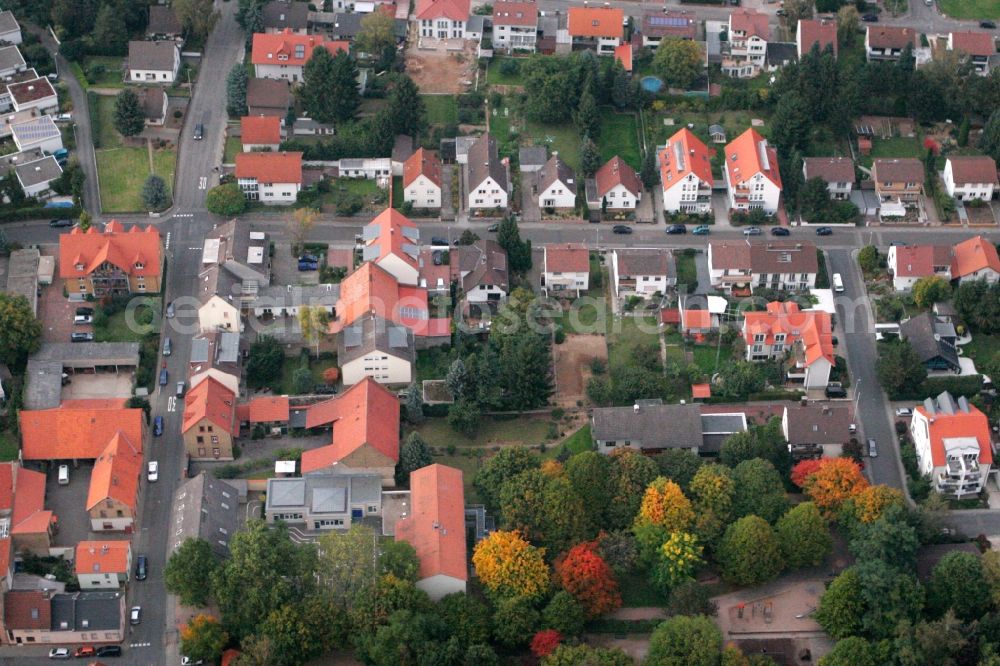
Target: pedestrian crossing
[(139, 645)]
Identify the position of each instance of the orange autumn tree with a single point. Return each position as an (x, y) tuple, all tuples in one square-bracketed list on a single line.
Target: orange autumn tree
[(805, 469), (509, 566), (585, 575), (870, 504), (836, 481), (665, 505), (552, 468)]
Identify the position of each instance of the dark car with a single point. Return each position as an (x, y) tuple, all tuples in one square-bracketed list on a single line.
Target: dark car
[(780, 231), (989, 25), (621, 229), (824, 231), (109, 651), (61, 223), (677, 229), (437, 240), (324, 389), (308, 266), (437, 256), (897, 244), (157, 426), (836, 391), (84, 312), (81, 337), (141, 567), (199, 132), (870, 18), (493, 227), (164, 376)]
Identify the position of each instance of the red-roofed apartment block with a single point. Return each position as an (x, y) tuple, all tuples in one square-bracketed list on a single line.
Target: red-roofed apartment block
[(260, 133), (272, 178), (748, 37), (209, 424), (909, 263), (515, 25), (113, 261), (566, 267), (391, 243), (784, 328), (365, 424), (815, 32), (283, 55), (975, 259), (976, 46), (422, 179), (436, 529), (751, 173), (952, 440), (442, 19), (686, 174)]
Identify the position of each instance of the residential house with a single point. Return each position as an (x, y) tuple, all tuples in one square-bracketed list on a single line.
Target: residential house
[(969, 177), (215, 354), (435, 527), (555, 185), (209, 424), (205, 508), (371, 168), (282, 55), (44, 617), (281, 15), (815, 32), (269, 97), (103, 564), (953, 443), (113, 497), (375, 347), (269, 412), (344, 25), (7, 100), (642, 272), (515, 25), (686, 174), (815, 430), (669, 24), (488, 180), (260, 133), (909, 263), (836, 172), (38, 133), (884, 42), (285, 301), (10, 31), (749, 34), (11, 61), (153, 102), (244, 257), (899, 180), (325, 501), (700, 315), (422, 179), (785, 265), (933, 341), (27, 526), (36, 177), (751, 173), (163, 23), (391, 243), (648, 428), (8, 121), (113, 261), (273, 178), (804, 336), (978, 47), (615, 187), (33, 94), (153, 62), (565, 267), (365, 424), (975, 259), (442, 19), (598, 28), (480, 270)]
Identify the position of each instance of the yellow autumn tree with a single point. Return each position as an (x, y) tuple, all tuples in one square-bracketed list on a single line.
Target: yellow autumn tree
[(664, 505), (871, 503), (552, 468), (509, 566)]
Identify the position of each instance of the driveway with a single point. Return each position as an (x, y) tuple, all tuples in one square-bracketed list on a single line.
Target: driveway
[(69, 503), (56, 313), (530, 212)]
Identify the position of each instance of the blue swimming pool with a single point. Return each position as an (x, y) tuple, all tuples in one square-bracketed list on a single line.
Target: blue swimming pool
[(653, 84)]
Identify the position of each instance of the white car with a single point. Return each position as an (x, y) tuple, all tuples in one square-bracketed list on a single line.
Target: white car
[(904, 411), (60, 653), (153, 470), (135, 615)]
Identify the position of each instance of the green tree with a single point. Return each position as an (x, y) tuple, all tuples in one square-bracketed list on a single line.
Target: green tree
[(888, 596), (868, 259), (302, 381), (188, 573), (957, 585), (989, 141), (889, 539), (265, 362), (840, 607), (406, 106), (226, 200), (515, 621), (648, 174), (741, 378), (585, 655), (22, 331), (685, 641), (930, 290), (413, 455), (319, 89), (851, 651), (300, 632), (253, 21), (155, 194), (803, 536), (545, 510), (679, 62), (110, 33), (518, 251), (814, 200), (378, 32), (943, 641), (564, 614), (749, 552), (343, 81), (590, 157), (758, 490), (464, 416), (468, 617), (631, 473), (589, 473), (691, 598), (899, 368), (203, 638), (848, 25), (129, 118), (798, 9), (759, 441), (679, 465), (197, 17), (588, 120), (621, 88), (414, 408), (398, 558), (793, 120), (347, 563), (236, 91), (492, 474)]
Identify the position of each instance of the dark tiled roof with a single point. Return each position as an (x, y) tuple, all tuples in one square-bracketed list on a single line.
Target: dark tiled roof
[(814, 424), (280, 15), (556, 170), (645, 262), (484, 161), (483, 262), (652, 426), (163, 21), (922, 334), (373, 333)]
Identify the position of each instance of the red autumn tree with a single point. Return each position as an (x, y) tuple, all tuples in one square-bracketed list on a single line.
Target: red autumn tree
[(805, 469), (331, 375), (836, 481), (544, 642), (585, 575)]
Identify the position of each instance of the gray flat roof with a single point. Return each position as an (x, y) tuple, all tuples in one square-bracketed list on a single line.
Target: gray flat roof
[(102, 353), (36, 129), (10, 56), (44, 170)]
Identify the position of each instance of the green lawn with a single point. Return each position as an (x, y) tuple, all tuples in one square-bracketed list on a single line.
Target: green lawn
[(500, 125), (982, 347), (897, 146), (122, 172), (441, 109), (579, 441), (397, 192), (970, 9), (705, 357), (108, 135), (112, 75), (495, 77), (687, 271), (524, 430), (164, 162), (116, 328), (620, 136), (233, 146), (432, 364), (316, 367), (8, 446), (562, 138), (628, 345)]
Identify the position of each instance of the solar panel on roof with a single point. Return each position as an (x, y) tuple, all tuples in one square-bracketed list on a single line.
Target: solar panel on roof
[(668, 21)]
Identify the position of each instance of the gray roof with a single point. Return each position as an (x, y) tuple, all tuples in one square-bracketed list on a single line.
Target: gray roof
[(780, 53), (10, 56), (716, 429), (36, 129), (280, 15), (649, 261), (22, 275), (373, 333), (44, 170), (199, 350), (295, 295), (8, 162), (268, 94), (87, 611), (483, 262), (818, 424), (650, 426), (346, 26), (163, 21), (7, 22), (930, 340), (475, 23), (323, 493), (532, 156), (152, 100), (244, 251), (207, 508), (555, 170), (716, 129), (45, 367), (402, 148), (158, 55), (484, 161)]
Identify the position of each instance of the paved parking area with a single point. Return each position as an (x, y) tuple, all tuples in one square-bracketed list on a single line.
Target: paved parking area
[(56, 312), (103, 385), (285, 268), (70, 505)]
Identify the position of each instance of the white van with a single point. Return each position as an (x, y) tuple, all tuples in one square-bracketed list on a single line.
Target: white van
[(63, 475), (838, 283)]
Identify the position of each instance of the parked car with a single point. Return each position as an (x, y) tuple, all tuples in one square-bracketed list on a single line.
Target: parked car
[(187, 661), (437, 256), (493, 228), (834, 390), (109, 651), (824, 231), (63, 475), (897, 244), (308, 266), (152, 471), (61, 223), (904, 412), (872, 451), (166, 347), (85, 651), (164, 376), (64, 117), (180, 389), (85, 311), (752, 231), (311, 258), (702, 230), (677, 229), (621, 229), (157, 426), (82, 319), (989, 25), (324, 389), (141, 567), (60, 653), (81, 337), (780, 231), (170, 310), (199, 132), (135, 616), (870, 18)]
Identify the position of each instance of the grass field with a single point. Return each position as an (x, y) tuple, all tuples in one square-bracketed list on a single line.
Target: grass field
[(562, 138), (233, 146), (116, 328), (112, 75), (705, 357), (901, 146), (316, 367), (122, 171), (492, 432), (970, 9), (629, 345), (579, 441), (441, 109), (8, 446), (495, 77), (687, 271), (982, 347), (109, 136), (620, 136)]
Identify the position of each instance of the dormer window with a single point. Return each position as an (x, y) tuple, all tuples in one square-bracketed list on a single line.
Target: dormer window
[(282, 56), (139, 265), (78, 267)]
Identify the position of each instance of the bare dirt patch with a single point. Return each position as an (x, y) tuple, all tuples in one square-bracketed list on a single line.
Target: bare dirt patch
[(572, 363), (439, 71)]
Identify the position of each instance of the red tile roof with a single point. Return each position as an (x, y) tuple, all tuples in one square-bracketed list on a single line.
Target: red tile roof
[(817, 31), (567, 258), (889, 37), (29, 515), (701, 391), (616, 172), (749, 154), (66, 433), (973, 169), (390, 239), (373, 289), (27, 609), (116, 474), (751, 22), (102, 557), (270, 167), (209, 400), (512, 12), (623, 54), (279, 48), (830, 169), (813, 328), (944, 426), (436, 524), (696, 319), (920, 260), (685, 154), (974, 43), (422, 163), (596, 22), (6, 486), (670, 316), (260, 130), (973, 255), (365, 414), (455, 10), (82, 252), (268, 408)]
